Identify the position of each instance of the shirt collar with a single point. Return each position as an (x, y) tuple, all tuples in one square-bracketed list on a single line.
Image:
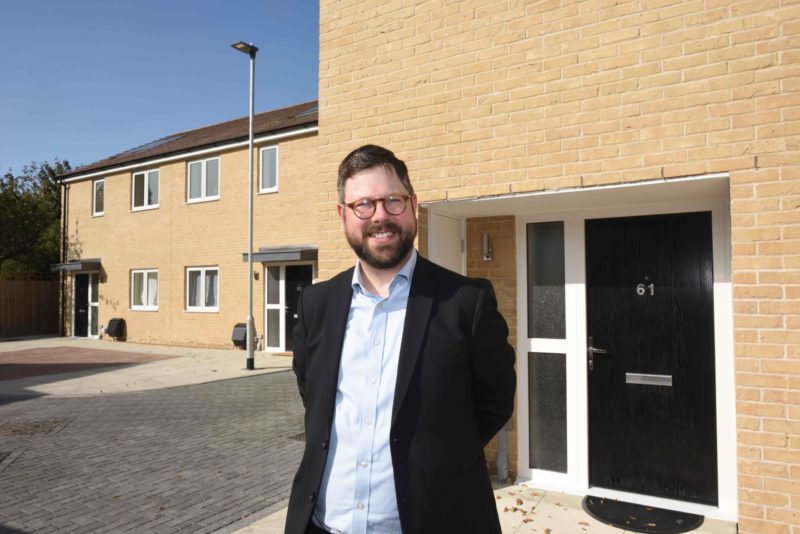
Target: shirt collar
[(405, 272)]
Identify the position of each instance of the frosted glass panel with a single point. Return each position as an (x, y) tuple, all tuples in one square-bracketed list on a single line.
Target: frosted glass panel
[(152, 187), (273, 285), (547, 405), (273, 328), (195, 180), (546, 314)]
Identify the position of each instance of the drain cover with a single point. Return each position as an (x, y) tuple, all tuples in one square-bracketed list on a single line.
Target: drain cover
[(28, 428)]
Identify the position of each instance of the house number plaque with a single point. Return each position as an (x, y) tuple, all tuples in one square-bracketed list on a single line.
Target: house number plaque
[(642, 289)]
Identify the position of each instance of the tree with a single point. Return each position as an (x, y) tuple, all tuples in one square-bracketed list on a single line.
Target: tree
[(30, 217)]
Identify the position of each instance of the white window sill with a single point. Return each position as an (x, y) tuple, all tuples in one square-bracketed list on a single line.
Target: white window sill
[(201, 200), (202, 310), (143, 308), (267, 191), (98, 214), (145, 208)]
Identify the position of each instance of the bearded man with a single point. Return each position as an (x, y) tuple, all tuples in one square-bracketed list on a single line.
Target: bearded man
[(405, 373)]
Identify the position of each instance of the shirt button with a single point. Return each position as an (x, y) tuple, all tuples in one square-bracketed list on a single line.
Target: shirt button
[(364, 465), (368, 421), (360, 505), (376, 341), (373, 380)]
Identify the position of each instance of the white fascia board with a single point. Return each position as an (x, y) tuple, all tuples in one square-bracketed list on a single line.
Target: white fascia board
[(187, 155)]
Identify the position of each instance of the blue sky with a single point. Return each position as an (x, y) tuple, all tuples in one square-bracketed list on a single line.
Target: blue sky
[(85, 79)]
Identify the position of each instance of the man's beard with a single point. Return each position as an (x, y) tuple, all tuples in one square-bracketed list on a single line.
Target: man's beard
[(398, 250)]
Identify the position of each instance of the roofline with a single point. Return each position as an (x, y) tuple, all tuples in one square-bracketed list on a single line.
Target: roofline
[(185, 155)]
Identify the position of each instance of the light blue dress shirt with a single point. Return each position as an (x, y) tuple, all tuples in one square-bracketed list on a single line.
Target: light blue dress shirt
[(357, 495)]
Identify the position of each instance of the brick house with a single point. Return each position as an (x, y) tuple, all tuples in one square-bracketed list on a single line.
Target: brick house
[(157, 235), (626, 174)]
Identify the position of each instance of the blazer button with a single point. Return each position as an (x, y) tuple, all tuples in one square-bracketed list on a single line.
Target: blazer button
[(325, 444), (312, 496), (394, 440)]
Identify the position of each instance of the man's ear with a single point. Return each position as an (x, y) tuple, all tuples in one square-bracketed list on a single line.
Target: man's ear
[(340, 212), (414, 203)]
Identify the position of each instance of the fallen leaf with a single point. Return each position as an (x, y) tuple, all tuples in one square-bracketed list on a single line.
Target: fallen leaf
[(548, 531), (527, 520), (519, 502), (583, 523)]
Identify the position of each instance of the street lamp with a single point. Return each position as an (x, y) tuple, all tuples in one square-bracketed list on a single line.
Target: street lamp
[(249, 49)]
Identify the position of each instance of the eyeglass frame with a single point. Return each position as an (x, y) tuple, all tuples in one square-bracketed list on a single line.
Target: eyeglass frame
[(375, 201)]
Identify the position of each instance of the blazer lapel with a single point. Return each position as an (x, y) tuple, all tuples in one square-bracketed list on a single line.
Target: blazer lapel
[(418, 310), (336, 312)]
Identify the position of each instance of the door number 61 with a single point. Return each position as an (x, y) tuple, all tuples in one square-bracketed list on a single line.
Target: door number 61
[(641, 289)]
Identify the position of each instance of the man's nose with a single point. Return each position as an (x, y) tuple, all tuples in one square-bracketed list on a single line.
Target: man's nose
[(380, 211)]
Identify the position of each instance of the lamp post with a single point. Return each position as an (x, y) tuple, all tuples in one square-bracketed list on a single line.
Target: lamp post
[(249, 49)]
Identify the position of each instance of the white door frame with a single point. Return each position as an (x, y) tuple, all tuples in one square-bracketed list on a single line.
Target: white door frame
[(574, 346), (282, 300)]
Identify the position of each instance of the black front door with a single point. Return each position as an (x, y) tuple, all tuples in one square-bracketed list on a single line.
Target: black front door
[(652, 414), (297, 277), (81, 305)]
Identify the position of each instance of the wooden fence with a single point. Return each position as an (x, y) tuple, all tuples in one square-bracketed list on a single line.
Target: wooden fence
[(28, 308)]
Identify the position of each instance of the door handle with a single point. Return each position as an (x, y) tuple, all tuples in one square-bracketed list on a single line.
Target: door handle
[(591, 351)]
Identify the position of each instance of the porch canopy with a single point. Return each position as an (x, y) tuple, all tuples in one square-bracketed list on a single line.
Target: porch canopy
[(91, 265), (284, 254)]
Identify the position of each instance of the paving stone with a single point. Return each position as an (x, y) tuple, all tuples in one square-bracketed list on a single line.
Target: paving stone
[(188, 459)]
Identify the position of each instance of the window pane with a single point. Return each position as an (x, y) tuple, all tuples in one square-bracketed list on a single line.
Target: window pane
[(138, 190), (98, 196), (152, 289), (138, 289), (273, 328), (152, 188), (194, 289), (273, 285), (269, 167), (546, 311), (547, 405), (95, 287), (211, 288), (195, 179), (212, 177)]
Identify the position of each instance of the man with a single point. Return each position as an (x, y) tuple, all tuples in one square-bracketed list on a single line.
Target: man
[(405, 374)]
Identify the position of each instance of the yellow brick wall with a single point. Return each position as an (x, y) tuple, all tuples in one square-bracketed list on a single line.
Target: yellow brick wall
[(485, 97), (178, 234), (502, 271)]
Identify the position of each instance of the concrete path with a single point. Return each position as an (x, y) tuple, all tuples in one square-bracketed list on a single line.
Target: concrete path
[(173, 367)]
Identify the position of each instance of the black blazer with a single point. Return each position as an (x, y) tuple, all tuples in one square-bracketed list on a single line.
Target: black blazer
[(455, 389)]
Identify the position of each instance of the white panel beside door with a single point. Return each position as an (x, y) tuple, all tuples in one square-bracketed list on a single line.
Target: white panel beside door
[(446, 245)]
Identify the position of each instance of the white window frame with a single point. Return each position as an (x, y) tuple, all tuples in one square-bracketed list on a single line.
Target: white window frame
[(203, 164), (145, 278), (202, 308), (96, 213), (261, 151), (146, 174)]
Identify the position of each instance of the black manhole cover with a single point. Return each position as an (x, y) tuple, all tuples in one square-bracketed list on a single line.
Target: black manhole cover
[(27, 428)]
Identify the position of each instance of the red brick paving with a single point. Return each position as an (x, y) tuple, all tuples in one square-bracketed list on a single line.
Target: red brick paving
[(54, 360)]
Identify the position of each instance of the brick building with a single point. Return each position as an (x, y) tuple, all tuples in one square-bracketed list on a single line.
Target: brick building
[(157, 235), (634, 166)]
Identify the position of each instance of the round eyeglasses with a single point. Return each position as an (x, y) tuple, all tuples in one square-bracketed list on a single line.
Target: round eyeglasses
[(364, 208)]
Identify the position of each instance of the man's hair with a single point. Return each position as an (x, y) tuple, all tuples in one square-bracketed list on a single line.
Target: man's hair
[(369, 156)]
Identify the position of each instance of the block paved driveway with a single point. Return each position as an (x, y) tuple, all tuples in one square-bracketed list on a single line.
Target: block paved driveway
[(189, 459)]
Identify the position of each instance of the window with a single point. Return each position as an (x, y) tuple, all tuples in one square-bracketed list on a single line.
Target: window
[(144, 289), (98, 197), (269, 170), (145, 190), (202, 289), (203, 180)]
